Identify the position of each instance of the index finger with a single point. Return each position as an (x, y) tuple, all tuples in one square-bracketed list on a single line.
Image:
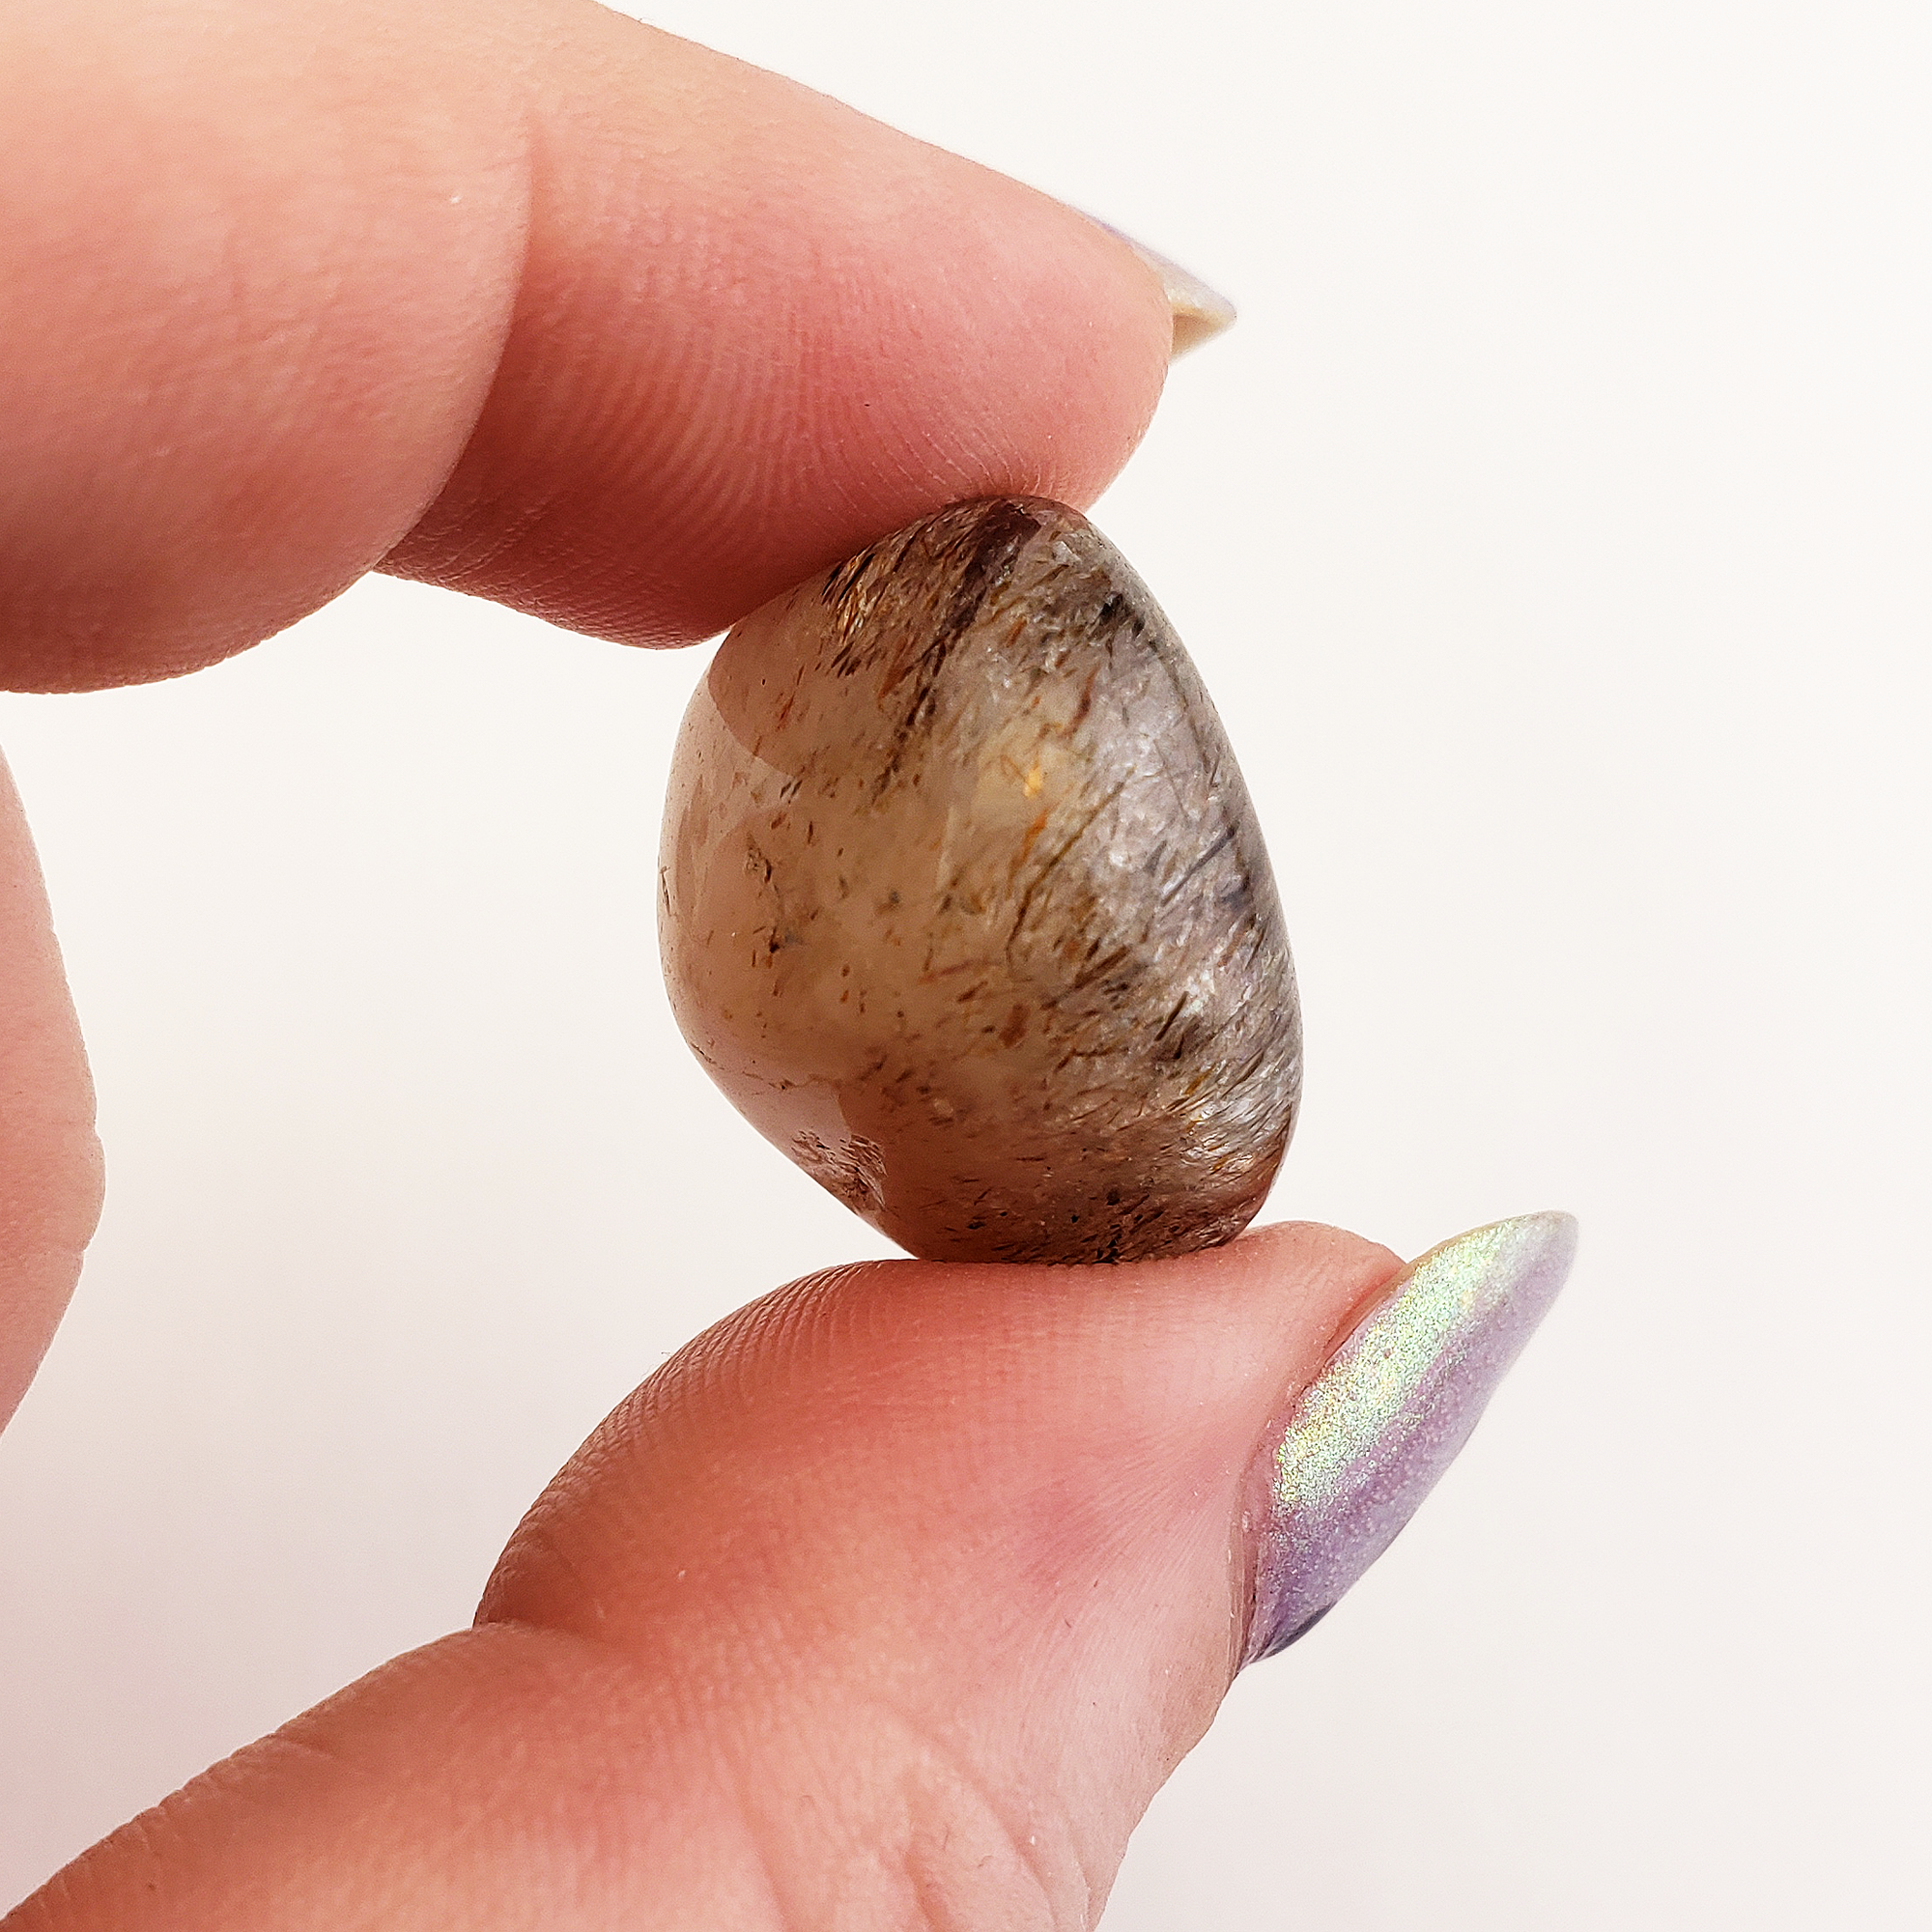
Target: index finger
[(519, 297), (515, 295)]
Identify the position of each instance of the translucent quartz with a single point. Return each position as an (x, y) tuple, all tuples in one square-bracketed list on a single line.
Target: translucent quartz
[(964, 905)]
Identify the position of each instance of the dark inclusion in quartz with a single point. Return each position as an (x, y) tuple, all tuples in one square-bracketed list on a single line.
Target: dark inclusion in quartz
[(965, 906)]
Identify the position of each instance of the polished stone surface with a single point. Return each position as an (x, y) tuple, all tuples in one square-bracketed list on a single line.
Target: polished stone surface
[(964, 905)]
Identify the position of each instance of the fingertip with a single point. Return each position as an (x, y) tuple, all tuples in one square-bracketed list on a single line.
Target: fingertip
[(50, 1163), (959, 1430), (771, 351), (534, 301)]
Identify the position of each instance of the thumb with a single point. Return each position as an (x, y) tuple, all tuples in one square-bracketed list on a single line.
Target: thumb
[(890, 1602)]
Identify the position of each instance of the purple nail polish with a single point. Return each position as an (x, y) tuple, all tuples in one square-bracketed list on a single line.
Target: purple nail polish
[(1370, 1436)]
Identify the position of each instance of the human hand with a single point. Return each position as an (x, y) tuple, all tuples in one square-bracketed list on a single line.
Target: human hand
[(895, 1597)]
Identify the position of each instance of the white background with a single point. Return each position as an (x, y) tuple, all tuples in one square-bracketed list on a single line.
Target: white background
[(1553, 533)]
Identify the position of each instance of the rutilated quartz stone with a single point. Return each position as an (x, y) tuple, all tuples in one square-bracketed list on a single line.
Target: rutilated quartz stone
[(964, 904)]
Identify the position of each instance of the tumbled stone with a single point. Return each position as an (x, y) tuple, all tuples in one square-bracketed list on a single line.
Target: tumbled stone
[(964, 905)]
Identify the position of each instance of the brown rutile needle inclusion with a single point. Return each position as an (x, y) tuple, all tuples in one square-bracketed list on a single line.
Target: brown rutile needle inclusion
[(964, 904)]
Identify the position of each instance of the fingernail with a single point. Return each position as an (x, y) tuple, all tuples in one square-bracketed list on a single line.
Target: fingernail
[(1200, 313), (1367, 1439)]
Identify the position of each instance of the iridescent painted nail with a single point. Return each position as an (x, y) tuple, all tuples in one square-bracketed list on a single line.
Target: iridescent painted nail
[(1370, 1436)]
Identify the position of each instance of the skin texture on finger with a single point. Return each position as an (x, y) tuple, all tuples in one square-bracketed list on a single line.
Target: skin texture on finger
[(888, 1602), (521, 295), (49, 1158)]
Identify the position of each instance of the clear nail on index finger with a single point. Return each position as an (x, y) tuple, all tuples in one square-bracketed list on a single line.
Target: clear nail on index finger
[(1200, 311)]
